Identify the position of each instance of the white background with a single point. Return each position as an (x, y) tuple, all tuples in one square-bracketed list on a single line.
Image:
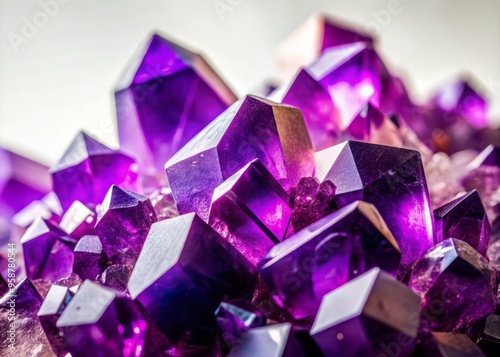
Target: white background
[(62, 78)]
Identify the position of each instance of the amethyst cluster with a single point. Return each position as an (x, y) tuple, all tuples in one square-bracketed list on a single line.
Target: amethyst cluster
[(334, 217)]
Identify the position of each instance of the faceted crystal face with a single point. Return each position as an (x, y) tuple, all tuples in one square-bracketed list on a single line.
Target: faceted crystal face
[(351, 75), (366, 314), (90, 259), (449, 278), (48, 251), (302, 269), (116, 277), (364, 123), (274, 340), (464, 218), (486, 335), (78, 221), (490, 156), (320, 115), (252, 128), (165, 75), (87, 170), (123, 223), (390, 178), (252, 212), (29, 334), (101, 322), (181, 275), (447, 344)]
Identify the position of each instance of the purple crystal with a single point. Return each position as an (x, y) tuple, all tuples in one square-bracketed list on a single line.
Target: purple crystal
[(48, 251), (447, 344), (320, 115), (368, 316), (90, 259), (123, 223), (20, 325), (311, 201), (464, 218), (302, 269), (364, 123), (166, 97), (252, 212), (116, 277), (490, 156), (87, 169), (101, 322), (486, 334), (280, 340), (251, 128), (78, 220), (181, 275), (52, 307), (390, 178), (450, 277)]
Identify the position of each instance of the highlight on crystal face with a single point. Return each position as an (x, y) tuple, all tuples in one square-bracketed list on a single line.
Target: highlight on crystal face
[(334, 217)]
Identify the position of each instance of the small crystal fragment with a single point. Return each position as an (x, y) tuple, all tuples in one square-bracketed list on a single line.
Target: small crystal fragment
[(116, 277), (367, 317), (78, 220), (90, 259), (449, 277), (364, 123), (447, 344)]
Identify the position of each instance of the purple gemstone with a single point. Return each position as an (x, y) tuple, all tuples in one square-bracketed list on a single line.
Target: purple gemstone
[(252, 128), (486, 334), (116, 277), (181, 275), (369, 316), (87, 170), (252, 212), (90, 259), (101, 322), (78, 221), (52, 307), (450, 277), (364, 123), (464, 218), (320, 115), (166, 97), (390, 178), (22, 329), (302, 269), (447, 344), (490, 156), (280, 340), (311, 201), (48, 251), (123, 223)]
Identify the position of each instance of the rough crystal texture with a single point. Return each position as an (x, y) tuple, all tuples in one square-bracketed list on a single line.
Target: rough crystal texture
[(89, 257), (486, 334), (280, 340), (252, 212), (116, 277), (390, 178), (447, 344), (464, 218), (52, 307), (22, 329), (181, 275), (78, 220), (87, 169), (123, 223), (367, 316), (252, 128), (100, 322), (48, 251), (450, 277), (311, 201), (302, 269), (166, 97)]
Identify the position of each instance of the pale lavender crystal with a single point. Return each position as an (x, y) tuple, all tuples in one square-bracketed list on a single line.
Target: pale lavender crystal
[(123, 222), (280, 340), (78, 220), (464, 218), (390, 178), (166, 97), (90, 259), (252, 212), (450, 278), (87, 170), (302, 269), (101, 322), (181, 275), (48, 251), (22, 329), (252, 128), (372, 315), (52, 307)]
